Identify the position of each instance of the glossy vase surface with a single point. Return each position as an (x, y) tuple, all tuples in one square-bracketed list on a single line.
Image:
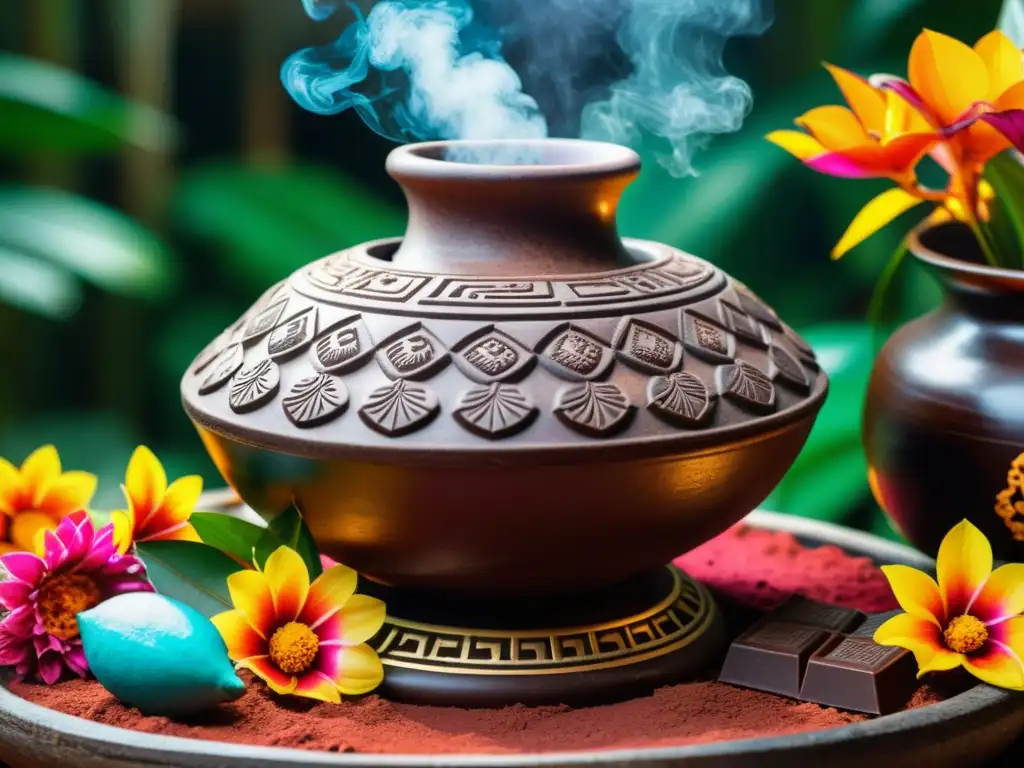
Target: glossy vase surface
[(944, 417)]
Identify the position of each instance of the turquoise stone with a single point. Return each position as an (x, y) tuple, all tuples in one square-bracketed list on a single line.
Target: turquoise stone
[(158, 655)]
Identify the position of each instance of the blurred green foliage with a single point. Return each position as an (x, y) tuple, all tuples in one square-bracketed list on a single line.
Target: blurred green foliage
[(139, 301)]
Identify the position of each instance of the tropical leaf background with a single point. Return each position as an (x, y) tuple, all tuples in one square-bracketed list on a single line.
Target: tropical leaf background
[(157, 179)]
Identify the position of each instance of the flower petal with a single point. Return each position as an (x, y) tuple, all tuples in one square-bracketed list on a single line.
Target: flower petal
[(1003, 62), (240, 638), (180, 532), (250, 594), (40, 469), (328, 593), (919, 636), (177, 506), (24, 566), (949, 75), (916, 592), (145, 482), (316, 685), (123, 529), (26, 527), (288, 578), (835, 127), (1002, 596), (800, 145), (12, 488), (359, 619), (864, 165), (963, 563), (54, 551), (354, 669), (1001, 662), (865, 101), (872, 217), (264, 668), (68, 493), (1009, 124)]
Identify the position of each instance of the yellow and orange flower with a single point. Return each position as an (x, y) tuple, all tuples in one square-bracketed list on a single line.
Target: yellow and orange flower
[(879, 135), (300, 638), (971, 94), (155, 511), (36, 497), (970, 618)]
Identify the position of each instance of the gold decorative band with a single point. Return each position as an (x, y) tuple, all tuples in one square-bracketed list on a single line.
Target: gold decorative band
[(677, 620)]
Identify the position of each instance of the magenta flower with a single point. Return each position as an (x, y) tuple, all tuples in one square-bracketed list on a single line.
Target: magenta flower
[(79, 569)]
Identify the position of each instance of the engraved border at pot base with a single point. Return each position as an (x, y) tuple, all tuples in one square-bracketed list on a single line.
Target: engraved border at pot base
[(680, 618)]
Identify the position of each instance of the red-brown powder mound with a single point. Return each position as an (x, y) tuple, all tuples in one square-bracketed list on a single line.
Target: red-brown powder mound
[(756, 568)]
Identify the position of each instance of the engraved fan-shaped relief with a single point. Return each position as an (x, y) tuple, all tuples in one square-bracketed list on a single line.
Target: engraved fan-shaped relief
[(315, 400), (495, 410), (785, 368), (746, 385), (399, 408), (254, 387), (680, 399), (222, 369), (597, 410)]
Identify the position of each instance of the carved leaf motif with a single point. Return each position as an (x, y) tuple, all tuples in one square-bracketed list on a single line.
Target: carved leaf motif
[(400, 408), (679, 398), (746, 385), (315, 400), (495, 410), (227, 362), (593, 409), (788, 369), (253, 387)]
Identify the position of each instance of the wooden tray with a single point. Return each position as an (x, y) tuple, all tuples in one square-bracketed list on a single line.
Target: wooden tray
[(971, 728)]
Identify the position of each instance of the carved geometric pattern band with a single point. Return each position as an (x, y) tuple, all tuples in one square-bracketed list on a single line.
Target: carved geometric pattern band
[(681, 617)]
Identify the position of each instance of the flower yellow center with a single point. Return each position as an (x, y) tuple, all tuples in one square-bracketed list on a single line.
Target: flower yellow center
[(293, 648), (61, 599), (965, 634)]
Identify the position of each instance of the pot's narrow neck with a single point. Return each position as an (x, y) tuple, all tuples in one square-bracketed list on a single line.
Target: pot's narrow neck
[(553, 217), (970, 287)]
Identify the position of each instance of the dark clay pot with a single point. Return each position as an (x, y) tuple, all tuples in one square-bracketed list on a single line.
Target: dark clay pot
[(944, 418), (509, 399)]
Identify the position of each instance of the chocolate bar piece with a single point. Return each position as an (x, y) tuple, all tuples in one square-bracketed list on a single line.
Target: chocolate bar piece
[(856, 673), (822, 653)]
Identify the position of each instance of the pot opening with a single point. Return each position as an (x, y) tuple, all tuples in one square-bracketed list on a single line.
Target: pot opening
[(513, 157), (386, 251)]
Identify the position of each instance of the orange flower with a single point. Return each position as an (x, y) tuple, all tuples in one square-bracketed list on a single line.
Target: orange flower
[(37, 497), (300, 638), (970, 618), (880, 135), (972, 94), (155, 511)]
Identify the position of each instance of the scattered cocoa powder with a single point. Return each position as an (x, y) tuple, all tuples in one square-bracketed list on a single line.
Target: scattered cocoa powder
[(752, 567)]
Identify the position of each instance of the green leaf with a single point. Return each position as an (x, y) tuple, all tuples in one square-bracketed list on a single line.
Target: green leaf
[(826, 486), (228, 534), (195, 574), (877, 316), (288, 529), (96, 243), (48, 107), (1006, 227), (271, 221), (37, 287)]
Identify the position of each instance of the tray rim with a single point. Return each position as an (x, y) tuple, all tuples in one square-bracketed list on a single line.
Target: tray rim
[(983, 701)]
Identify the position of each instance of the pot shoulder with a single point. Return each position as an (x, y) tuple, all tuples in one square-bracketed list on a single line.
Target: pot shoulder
[(352, 355), (952, 368)]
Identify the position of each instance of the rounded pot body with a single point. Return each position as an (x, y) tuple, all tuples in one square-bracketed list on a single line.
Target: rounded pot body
[(510, 398), (944, 416)]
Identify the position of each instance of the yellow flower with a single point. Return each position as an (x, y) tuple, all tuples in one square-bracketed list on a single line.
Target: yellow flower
[(35, 498), (300, 638), (155, 511), (970, 618)]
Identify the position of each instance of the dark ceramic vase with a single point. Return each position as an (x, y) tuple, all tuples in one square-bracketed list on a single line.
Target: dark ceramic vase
[(944, 418), (511, 402)]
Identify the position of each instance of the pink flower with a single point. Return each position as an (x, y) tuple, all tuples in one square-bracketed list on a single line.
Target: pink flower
[(79, 569)]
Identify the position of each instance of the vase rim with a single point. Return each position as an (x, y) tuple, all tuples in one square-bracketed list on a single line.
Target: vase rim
[(544, 158), (929, 255)]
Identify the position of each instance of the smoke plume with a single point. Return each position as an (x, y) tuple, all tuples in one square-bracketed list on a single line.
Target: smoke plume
[(627, 71)]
